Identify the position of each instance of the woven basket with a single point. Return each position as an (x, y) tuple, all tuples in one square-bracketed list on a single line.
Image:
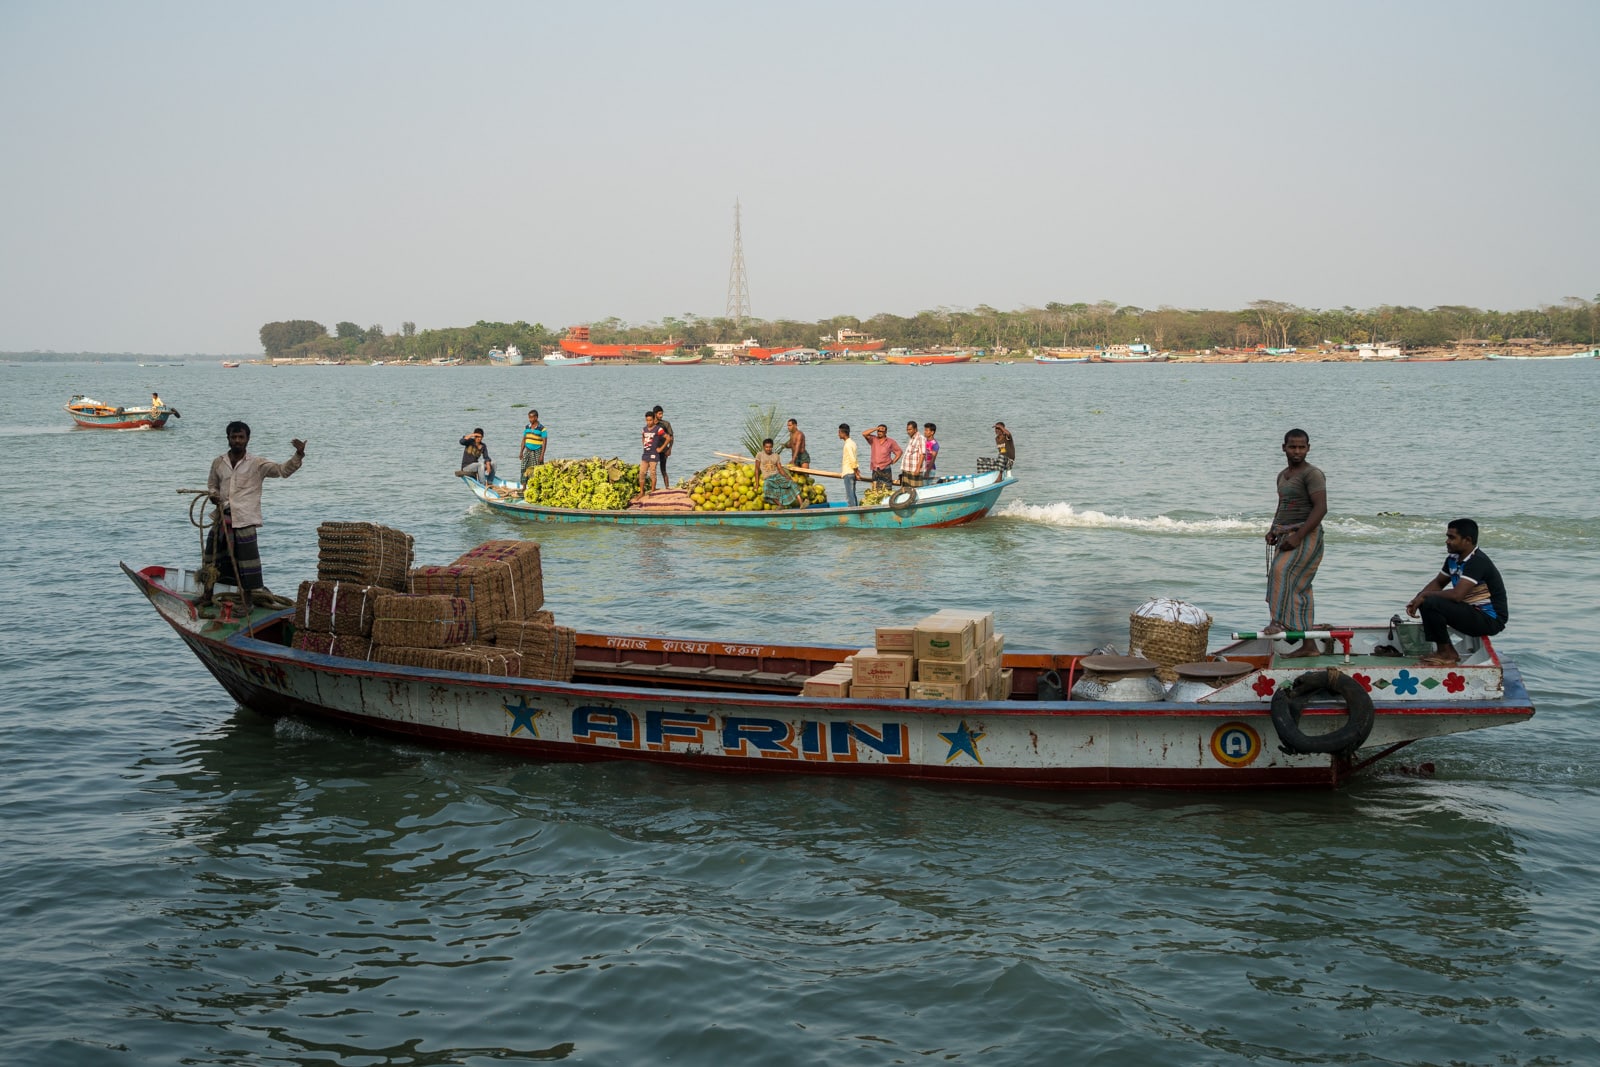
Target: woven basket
[(421, 621), (1167, 642), (350, 646), (363, 553), (336, 607)]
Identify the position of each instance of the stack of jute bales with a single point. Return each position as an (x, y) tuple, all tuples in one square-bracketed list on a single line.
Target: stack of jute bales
[(357, 564), (950, 655), (481, 614)]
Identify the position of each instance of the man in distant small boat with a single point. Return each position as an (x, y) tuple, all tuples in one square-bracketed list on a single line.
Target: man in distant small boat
[(231, 552), (799, 455), (849, 465), (666, 450), (156, 403), (1007, 446), (475, 461), (884, 451), (534, 439), (1296, 538), (653, 437), (914, 458), (1467, 596)]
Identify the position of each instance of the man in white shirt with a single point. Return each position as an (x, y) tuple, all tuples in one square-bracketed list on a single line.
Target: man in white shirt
[(231, 551)]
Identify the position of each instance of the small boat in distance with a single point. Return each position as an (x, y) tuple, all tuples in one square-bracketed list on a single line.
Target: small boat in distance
[(512, 356), (684, 359), (1056, 360), (230, 364), (558, 358), (91, 414), (1593, 353), (906, 358)]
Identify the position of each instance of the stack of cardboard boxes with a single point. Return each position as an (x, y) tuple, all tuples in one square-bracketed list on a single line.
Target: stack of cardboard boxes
[(950, 655)]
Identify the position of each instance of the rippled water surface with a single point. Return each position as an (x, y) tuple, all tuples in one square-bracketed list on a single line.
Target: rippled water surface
[(186, 881)]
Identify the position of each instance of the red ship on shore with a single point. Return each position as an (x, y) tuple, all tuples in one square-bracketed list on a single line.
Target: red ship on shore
[(852, 341), (578, 344)]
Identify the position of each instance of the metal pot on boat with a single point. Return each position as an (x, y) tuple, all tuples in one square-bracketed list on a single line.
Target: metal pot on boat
[(1118, 678), (1202, 678)]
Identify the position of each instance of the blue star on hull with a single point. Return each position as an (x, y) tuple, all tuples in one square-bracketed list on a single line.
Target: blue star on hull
[(964, 740), (523, 717)]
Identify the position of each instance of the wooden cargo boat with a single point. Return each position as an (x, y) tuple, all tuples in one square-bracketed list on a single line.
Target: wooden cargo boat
[(736, 706)]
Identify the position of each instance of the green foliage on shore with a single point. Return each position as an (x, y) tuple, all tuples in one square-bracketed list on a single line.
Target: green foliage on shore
[(1272, 323)]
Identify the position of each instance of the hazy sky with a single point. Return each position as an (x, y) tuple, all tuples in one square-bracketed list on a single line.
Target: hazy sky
[(173, 175)]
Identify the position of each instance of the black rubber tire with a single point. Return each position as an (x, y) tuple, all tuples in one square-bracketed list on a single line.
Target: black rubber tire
[(1290, 702), (901, 499)]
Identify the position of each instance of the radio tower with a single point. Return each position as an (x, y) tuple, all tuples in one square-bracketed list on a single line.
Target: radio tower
[(738, 288)]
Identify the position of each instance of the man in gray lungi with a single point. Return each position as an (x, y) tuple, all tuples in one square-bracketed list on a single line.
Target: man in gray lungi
[(231, 552)]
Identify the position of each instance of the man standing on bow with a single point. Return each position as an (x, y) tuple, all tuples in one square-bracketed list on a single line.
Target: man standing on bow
[(1296, 540), (231, 552), (534, 439)]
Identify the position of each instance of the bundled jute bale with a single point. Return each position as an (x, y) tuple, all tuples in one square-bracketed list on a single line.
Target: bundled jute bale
[(467, 659), (363, 553), (336, 607), (547, 651), (350, 646), (1168, 632), (487, 589), (521, 563), (413, 621)]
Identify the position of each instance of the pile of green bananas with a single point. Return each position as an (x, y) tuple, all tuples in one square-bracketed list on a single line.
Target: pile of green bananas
[(878, 494), (593, 484)]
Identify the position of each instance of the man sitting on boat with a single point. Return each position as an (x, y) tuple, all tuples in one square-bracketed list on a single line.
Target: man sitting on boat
[(1007, 446), (1467, 596), (777, 488), (475, 461)]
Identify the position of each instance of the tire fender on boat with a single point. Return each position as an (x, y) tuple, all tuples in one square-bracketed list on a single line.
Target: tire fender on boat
[(1290, 702), (903, 498)]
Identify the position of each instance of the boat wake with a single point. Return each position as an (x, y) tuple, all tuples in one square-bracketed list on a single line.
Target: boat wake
[(1067, 515)]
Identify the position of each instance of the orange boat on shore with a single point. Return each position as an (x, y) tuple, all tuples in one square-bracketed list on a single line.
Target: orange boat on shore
[(927, 359), (578, 344)]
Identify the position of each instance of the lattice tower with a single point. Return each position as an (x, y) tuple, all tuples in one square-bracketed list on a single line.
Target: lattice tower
[(738, 286)]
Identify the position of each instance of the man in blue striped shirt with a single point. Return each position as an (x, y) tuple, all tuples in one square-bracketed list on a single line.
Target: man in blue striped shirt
[(534, 439)]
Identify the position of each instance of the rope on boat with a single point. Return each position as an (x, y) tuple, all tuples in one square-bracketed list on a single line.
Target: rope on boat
[(208, 573)]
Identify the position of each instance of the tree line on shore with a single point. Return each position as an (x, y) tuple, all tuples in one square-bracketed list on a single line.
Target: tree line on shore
[(1271, 323)]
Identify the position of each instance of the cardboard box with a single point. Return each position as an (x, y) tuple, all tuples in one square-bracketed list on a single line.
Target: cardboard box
[(1005, 684), (896, 639), (948, 670), (831, 683), (982, 621), (996, 649), (937, 691), (972, 689), (944, 637), (882, 668), (878, 692)]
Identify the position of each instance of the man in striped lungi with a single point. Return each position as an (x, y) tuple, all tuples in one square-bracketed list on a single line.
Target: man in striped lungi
[(1296, 540)]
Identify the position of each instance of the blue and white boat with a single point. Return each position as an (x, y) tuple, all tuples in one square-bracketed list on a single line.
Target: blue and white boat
[(947, 502)]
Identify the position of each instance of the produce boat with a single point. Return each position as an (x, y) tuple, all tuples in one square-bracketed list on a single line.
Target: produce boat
[(93, 415), (685, 360), (736, 706), (949, 502), (927, 359), (577, 343)]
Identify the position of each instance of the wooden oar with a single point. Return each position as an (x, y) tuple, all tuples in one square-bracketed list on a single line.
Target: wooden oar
[(801, 470)]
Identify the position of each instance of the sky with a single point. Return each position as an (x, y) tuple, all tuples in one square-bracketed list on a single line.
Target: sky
[(173, 175)]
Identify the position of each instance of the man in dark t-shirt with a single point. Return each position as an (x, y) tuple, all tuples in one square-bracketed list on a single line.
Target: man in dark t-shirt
[(1467, 596)]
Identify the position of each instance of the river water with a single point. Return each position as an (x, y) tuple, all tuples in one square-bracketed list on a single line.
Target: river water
[(185, 881)]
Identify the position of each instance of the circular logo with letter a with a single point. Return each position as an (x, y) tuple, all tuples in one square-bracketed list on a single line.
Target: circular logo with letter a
[(1235, 744)]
